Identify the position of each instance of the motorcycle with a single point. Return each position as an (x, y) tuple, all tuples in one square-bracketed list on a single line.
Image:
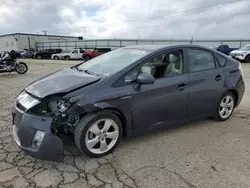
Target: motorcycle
[(11, 64)]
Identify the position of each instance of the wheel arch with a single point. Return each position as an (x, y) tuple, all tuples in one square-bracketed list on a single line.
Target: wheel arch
[(236, 95)]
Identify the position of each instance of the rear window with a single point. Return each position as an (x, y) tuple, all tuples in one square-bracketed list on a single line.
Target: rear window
[(220, 60)]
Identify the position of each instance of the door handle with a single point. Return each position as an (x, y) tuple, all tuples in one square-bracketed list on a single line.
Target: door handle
[(218, 77), (181, 87)]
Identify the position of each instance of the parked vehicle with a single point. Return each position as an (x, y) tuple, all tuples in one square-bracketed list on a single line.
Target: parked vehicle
[(225, 49), (125, 92), (94, 53), (9, 63), (59, 55), (46, 53), (74, 54), (27, 54), (242, 54)]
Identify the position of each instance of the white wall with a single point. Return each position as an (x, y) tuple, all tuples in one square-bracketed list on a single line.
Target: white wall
[(24, 41), (8, 43), (21, 42)]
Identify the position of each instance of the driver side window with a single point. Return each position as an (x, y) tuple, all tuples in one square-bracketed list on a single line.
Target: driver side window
[(165, 65)]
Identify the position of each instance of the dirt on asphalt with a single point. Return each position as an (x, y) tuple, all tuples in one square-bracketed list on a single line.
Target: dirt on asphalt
[(200, 154)]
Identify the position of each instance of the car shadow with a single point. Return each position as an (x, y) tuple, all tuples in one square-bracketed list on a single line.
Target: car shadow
[(69, 144)]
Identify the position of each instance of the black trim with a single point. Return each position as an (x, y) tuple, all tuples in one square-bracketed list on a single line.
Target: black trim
[(30, 34)]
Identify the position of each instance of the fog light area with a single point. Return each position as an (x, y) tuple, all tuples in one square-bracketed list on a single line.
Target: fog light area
[(38, 138)]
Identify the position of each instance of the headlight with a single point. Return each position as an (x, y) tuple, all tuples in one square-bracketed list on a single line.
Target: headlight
[(63, 104), (26, 100)]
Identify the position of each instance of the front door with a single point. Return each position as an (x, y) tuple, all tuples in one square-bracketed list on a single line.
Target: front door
[(74, 54), (166, 100), (206, 82)]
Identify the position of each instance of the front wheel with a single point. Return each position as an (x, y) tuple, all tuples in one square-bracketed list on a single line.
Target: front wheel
[(225, 107), (247, 59), (21, 68), (98, 134), (87, 58)]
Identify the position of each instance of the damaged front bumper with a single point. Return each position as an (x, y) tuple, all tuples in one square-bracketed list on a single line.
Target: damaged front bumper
[(25, 127)]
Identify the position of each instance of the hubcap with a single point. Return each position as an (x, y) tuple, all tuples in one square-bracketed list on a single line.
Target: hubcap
[(102, 136), (226, 106), (21, 68)]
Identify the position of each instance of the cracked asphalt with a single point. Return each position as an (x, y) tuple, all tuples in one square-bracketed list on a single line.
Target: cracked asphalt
[(200, 154)]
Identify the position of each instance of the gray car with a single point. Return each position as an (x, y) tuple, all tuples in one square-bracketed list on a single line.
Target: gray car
[(125, 92)]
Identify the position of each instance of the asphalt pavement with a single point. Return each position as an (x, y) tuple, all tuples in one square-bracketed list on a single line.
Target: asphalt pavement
[(201, 154)]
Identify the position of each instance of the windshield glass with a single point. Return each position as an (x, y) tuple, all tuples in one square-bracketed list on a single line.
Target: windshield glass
[(245, 48), (113, 61)]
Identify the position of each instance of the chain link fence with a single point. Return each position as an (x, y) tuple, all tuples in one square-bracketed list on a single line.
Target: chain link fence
[(118, 43)]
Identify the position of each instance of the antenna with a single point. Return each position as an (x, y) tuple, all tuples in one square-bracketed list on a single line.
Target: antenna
[(45, 32), (191, 41)]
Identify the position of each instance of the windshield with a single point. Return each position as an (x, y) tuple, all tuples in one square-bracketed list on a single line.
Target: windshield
[(245, 48), (112, 62)]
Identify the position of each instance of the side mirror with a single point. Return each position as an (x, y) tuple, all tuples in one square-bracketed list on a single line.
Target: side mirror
[(144, 78)]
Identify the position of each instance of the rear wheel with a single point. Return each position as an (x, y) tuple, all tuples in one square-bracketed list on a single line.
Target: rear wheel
[(39, 57), (21, 68), (225, 107), (56, 58), (98, 134), (67, 58)]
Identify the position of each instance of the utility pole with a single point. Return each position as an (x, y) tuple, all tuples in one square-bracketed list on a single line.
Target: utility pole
[(45, 32)]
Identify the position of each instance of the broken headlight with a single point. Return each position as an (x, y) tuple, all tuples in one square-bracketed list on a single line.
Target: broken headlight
[(62, 105)]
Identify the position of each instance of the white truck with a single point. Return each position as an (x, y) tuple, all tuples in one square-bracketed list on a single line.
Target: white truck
[(242, 54), (67, 55)]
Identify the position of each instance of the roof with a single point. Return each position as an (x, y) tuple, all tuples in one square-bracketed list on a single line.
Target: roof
[(153, 47), (30, 34)]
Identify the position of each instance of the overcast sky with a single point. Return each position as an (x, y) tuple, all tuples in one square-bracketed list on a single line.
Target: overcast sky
[(128, 18)]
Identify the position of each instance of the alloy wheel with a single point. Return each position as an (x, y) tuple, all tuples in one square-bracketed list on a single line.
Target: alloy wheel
[(102, 136), (226, 106)]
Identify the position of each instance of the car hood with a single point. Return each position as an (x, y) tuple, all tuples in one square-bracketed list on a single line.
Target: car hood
[(62, 81)]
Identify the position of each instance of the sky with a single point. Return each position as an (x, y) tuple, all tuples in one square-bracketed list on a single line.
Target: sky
[(144, 19)]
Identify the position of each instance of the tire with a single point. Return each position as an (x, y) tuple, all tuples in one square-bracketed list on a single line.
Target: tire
[(56, 57), (67, 58), (22, 68), (247, 59), (39, 57), (219, 109), (82, 133), (87, 58)]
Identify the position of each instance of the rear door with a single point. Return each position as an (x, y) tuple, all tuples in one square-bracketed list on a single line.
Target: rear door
[(206, 82)]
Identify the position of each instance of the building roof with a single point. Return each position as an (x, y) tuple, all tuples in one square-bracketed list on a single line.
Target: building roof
[(30, 34)]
